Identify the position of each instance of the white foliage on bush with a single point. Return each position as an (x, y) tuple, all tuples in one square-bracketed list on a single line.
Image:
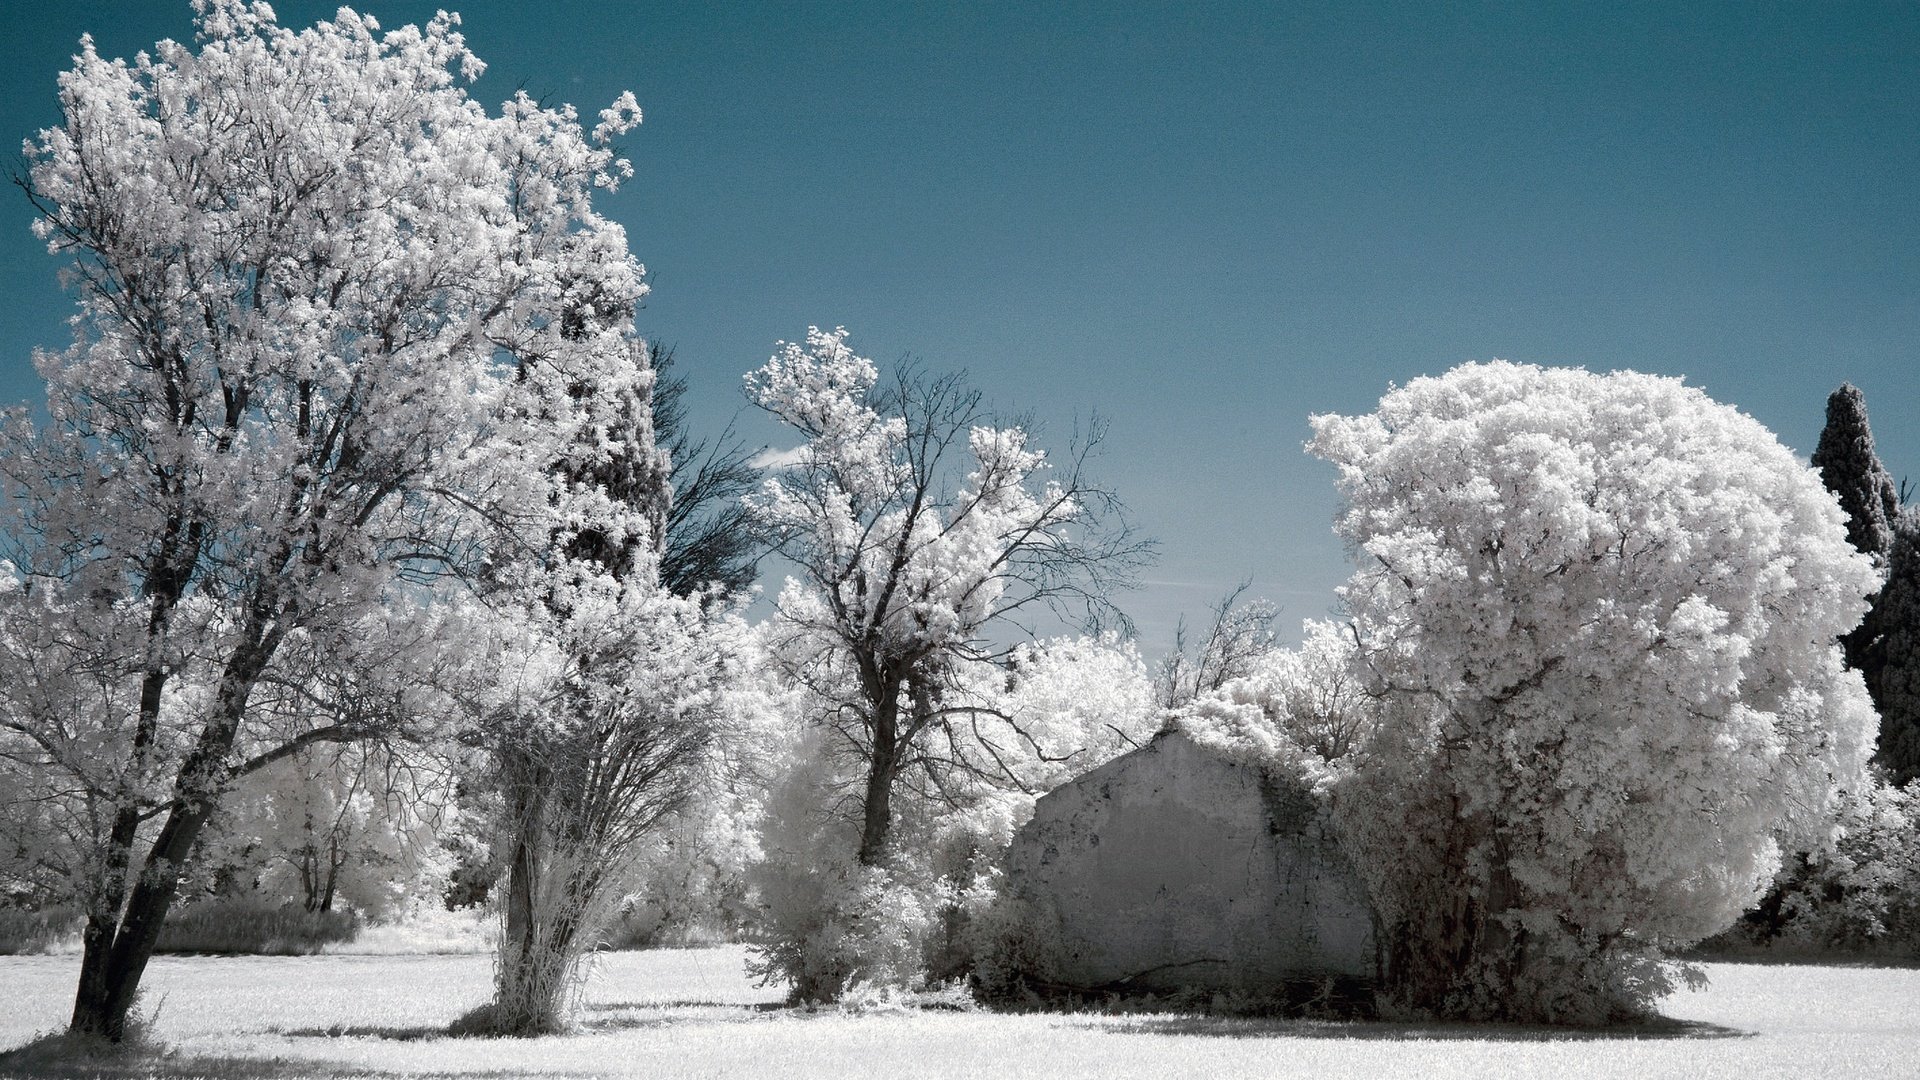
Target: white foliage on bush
[(691, 878), (1059, 708), (1600, 613), (1302, 711), (830, 922), (1861, 891), (351, 827)]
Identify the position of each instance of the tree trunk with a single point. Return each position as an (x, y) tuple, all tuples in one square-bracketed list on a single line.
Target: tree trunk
[(527, 791), (96, 949), (105, 999), (309, 878), (110, 973), (107, 904), (527, 985), (553, 882), (877, 808), (523, 875), (1437, 939), (336, 858), (1503, 949)]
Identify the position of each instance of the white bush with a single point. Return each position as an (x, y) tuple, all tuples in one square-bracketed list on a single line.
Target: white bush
[(1599, 613), (1861, 892)]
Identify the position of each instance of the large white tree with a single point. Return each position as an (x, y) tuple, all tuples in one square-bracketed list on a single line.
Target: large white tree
[(334, 324), (927, 543), (1600, 612), (925, 538)]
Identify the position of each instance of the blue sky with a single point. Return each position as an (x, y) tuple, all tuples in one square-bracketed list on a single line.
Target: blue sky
[(1205, 222)]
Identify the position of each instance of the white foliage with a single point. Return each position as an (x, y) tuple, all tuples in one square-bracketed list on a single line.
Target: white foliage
[(341, 828), (923, 568), (1601, 613), (1078, 702), (1060, 708), (331, 320), (922, 535), (1301, 711), (1862, 890)]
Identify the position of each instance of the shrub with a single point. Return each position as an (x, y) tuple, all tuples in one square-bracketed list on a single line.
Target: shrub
[(1599, 614), (25, 932), (690, 886), (1858, 895), (829, 924), (253, 927), (843, 925), (1016, 952)]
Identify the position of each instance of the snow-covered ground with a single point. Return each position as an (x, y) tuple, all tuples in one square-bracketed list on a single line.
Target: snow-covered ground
[(693, 1013)]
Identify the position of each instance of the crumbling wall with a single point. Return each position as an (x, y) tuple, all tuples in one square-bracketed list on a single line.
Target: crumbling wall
[(1170, 867)]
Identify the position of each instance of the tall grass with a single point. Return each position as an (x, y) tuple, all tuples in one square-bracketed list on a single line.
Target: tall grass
[(24, 932), (253, 927)]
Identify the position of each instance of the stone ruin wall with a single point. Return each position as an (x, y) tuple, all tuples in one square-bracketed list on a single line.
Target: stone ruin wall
[(1170, 867)]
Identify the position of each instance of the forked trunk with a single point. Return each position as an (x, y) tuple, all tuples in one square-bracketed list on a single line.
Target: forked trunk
[(116, 956)]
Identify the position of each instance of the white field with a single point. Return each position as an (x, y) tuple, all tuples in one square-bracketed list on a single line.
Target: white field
[(693, 1013)]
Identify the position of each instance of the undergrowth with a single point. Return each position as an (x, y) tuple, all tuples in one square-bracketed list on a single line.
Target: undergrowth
[(253, 927), (25, 932)]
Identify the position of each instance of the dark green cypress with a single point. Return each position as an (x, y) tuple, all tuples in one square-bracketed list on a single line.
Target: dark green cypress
[(1852, 471), (1894, 658)]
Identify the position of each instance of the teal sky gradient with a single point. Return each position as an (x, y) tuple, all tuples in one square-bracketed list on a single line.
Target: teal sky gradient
[(1206, 221)]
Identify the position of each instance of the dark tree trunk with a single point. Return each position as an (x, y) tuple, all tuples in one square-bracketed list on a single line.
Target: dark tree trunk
[(527, 782), (117, 956), (523, 874), (336, 859), (96, 950), (877, 807), (309, 878), (552, 878), (103, 1003), (107, 906)]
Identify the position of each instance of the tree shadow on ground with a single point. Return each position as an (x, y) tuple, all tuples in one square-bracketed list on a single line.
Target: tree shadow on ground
[(1783, 956), (616, 1006), (1261, 1028), (640, 1015), (395, 1033), (756, 1007), (58, 1056), (594, 1017)]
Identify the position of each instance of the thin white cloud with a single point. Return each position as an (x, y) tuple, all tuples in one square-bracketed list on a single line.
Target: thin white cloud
[(778, 459)]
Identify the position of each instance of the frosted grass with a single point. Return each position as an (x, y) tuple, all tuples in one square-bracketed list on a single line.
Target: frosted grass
[(693, 1013)]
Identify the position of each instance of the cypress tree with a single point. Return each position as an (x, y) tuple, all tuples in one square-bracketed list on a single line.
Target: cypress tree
[(1852, 471), (1885, 647), (1894, 659)]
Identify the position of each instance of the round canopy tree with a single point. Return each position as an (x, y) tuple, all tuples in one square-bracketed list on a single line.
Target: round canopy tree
[(1599, 612)]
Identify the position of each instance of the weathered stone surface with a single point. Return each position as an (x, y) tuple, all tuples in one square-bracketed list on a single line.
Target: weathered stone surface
[(1171, 867)]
